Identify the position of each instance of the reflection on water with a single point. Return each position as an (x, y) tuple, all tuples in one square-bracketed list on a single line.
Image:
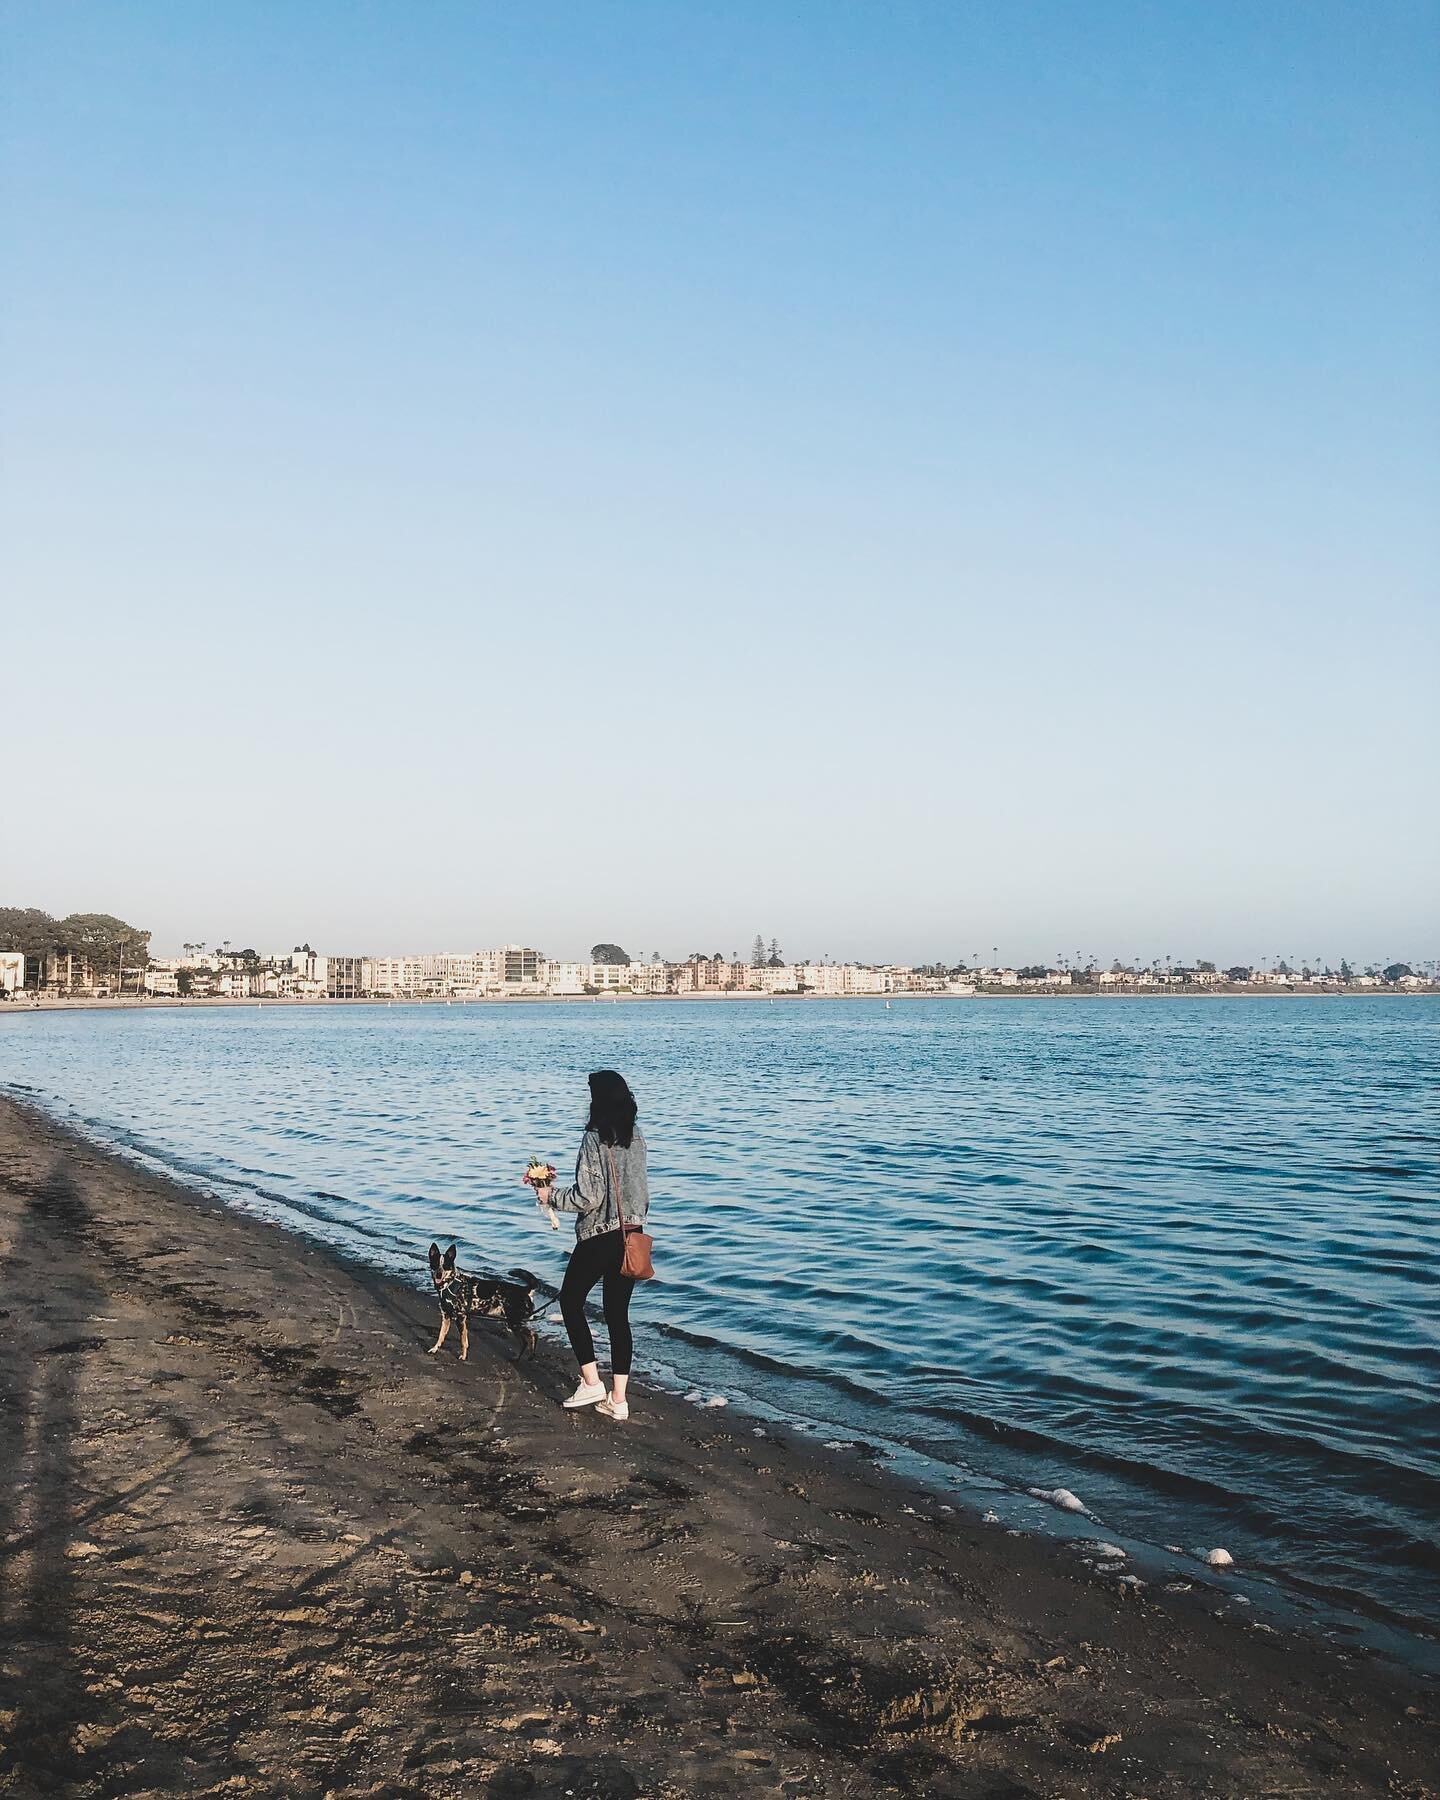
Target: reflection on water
[(1178, 1255)]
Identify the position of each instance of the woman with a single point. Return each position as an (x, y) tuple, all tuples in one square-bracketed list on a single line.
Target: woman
[(610, 1187)]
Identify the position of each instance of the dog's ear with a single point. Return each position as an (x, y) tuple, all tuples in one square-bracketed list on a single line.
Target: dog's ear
[(450, 1257), (434, 1256)]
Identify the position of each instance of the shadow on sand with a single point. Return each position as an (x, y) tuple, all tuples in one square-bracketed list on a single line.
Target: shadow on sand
[(40, 1367)]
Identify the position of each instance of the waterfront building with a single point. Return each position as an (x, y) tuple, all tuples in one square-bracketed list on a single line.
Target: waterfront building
[(512, 966), (453, 973), (650, 978), (782, 980), (821, 978), (392, 977), (12, 971), (162, 978), (862, 980), (63, 972), (298, 975), (711, 974), (345, 976), (611, 978)]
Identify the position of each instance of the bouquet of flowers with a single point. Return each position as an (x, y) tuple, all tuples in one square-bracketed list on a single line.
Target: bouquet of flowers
[(540, 1175)]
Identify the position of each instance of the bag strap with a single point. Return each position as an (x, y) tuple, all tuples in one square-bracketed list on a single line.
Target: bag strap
[(615, 1173)]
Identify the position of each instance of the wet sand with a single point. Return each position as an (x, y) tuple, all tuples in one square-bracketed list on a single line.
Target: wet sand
[(254, 1541)]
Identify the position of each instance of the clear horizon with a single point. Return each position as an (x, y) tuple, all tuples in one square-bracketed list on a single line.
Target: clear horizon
[(915, 479)]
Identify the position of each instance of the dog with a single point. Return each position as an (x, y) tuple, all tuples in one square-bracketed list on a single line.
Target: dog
[(465, 1297)]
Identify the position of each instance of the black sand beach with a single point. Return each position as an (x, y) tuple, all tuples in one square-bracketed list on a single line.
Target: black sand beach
[(253, 1541)]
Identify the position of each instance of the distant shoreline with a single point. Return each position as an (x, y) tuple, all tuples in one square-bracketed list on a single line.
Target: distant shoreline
[(132, 1003)]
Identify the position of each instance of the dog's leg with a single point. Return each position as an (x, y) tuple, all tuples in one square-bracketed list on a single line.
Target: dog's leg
[(522, 1333), (464, 1339), (444, 1333)]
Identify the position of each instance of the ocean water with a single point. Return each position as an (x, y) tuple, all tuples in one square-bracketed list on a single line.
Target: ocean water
[(1180, 1257)]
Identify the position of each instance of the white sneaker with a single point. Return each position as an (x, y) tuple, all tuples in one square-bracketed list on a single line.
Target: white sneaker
[(619, 1410), (586, 1394)]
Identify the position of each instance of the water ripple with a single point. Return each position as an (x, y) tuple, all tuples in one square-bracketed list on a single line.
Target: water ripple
[(1182, 1256)]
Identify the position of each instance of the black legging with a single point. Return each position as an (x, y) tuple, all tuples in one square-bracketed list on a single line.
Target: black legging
[(595, 1259)]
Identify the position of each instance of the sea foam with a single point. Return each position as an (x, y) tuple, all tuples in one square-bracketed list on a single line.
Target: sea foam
[(1061, 1497)]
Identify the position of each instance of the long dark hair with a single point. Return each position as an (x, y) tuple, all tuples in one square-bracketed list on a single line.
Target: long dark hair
[(612, 1108)]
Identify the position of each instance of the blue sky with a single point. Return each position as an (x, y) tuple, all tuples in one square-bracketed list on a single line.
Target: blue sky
[(900, 477)]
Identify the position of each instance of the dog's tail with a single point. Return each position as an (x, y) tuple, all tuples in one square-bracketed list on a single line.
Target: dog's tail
[(531, 1283)]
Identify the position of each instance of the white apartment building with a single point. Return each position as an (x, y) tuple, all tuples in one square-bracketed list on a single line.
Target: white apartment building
[(784, 980), (162, 978), (302, 965), (649, 978), (567, 977), (513, 966), (438, 976), (300, 975), (12, 971), (392, 977), (839, 979), (610, 978), (454, 973), (860, 980)]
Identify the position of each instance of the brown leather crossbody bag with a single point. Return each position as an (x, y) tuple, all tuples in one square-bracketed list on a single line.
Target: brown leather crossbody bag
[(638, 1245)]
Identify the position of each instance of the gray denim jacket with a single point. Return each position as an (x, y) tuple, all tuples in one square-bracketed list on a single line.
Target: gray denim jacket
[(593, 1197)]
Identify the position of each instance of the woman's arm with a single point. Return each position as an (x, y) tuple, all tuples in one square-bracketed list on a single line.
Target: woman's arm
[(587, 1195)]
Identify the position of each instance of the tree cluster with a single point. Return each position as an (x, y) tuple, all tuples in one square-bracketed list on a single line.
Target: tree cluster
[(100, 937), (607, 953)]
